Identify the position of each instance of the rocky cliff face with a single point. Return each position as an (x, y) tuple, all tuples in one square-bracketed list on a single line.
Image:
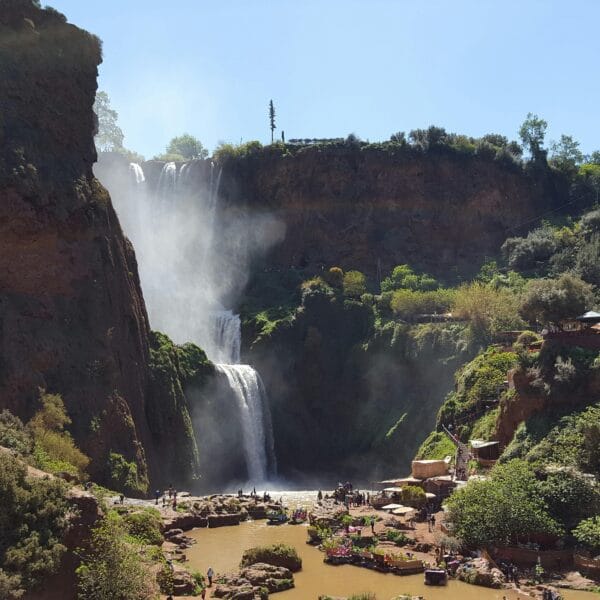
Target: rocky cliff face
[(72, 316), (371, 209)]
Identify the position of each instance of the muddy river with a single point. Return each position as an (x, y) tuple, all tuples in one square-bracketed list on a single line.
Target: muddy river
[(222, 548)]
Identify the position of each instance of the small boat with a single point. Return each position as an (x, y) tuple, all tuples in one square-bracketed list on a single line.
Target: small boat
[(277, 518), (436, 577)]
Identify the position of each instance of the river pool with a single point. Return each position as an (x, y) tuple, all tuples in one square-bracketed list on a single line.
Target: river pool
[(222, 549)]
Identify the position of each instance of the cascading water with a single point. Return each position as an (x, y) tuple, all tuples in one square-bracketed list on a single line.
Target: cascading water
[(137, 173), (192, 261)]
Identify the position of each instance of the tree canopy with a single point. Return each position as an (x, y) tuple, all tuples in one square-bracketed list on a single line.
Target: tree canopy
[(187, 147), (110, 136), (551, 301), (505, 508), (532, 133)]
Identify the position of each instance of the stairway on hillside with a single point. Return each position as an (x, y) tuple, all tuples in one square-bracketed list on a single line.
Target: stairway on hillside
[(463, 454)]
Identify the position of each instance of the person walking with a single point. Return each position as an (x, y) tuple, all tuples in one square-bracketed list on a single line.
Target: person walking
[(432, 522), (210, 574), (156, 496)]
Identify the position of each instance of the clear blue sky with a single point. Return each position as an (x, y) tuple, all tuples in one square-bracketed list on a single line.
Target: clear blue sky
[(373, 67)]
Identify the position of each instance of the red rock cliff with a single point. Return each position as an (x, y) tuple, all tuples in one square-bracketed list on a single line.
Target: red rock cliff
[(72, 316)]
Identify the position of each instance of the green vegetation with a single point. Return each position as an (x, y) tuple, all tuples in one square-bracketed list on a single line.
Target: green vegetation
[(479, 385), (32, 521), (124, 474), (588, 533), (14, 435), (354, 284), (506, 508), (145, 526), (54, 449), (436, 447), (552, 301), (110, 136), (113, 566), (279, 555), (183, 148), (172, 370)]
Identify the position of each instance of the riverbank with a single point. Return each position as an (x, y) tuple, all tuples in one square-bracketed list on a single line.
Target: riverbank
[(222, 545)]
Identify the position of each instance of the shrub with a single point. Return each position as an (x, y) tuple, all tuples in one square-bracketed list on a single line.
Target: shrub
[(437, 446), (14, 435), (531, 252), (588, 533), (407, 303), (279, 555), (32, 522), (354, 284), (487, 310), (413, 495), (335, 277), (145, 525), (55, 449), (113, 567), (553, 300), (403, 276), (123, 474)]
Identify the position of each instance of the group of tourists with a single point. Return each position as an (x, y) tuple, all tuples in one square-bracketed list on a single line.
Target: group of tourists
[(172, 497)]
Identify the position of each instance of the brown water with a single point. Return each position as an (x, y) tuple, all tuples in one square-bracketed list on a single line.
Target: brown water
[(222, 549)]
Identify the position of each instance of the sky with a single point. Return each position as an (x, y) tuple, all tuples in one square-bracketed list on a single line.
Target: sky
[(334, 67)]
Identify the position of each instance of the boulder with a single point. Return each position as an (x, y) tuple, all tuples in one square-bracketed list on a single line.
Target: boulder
[(275, 579), (479, 571)]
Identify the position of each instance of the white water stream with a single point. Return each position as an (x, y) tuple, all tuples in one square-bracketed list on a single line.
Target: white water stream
[(182, 287)]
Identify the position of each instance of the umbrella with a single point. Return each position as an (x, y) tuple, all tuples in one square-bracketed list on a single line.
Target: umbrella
[(391, 506), (403, 510)]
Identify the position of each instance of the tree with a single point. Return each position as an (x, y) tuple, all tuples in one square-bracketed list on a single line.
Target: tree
[(505, 508), (588, 533), (566, 154), (113, 567), (488, 309), (54, 448), (32, 522), (110, 136), (532, 134), (186, 146), (272, 118), (551, 301), (354, 284)]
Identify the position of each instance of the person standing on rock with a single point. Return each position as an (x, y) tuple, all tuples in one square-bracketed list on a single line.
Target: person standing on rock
[(156, 496), (210, 574)]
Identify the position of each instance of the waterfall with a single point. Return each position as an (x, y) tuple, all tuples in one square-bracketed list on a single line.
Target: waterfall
[(226, 337), (191, 258), (167, 181), (137, 172), (257, 433)]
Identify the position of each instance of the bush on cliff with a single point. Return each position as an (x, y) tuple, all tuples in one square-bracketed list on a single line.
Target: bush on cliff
[(279, 555), (407, 303), (355, 284), (32, 522), (14, 435), (54, 449), (113, 566), (487, 309)]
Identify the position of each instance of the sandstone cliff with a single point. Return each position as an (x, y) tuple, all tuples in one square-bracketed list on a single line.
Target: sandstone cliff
[(72, 316), (369, 208)]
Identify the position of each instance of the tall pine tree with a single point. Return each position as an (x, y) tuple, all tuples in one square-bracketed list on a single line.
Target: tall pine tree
[(272, 118)]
